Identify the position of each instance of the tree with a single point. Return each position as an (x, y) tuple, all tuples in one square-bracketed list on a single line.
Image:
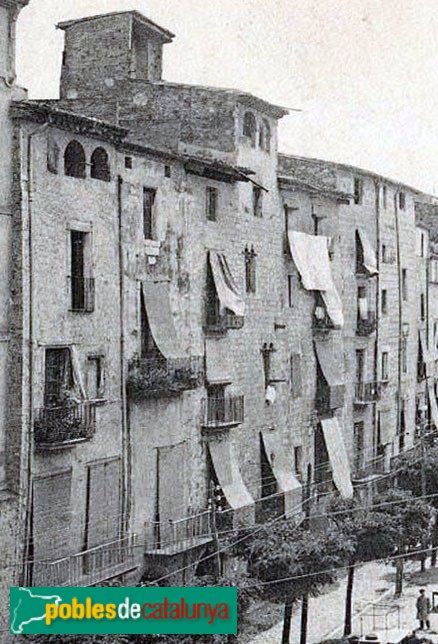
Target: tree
[(372, 536), (413, 519), (294, 563), (412, 471)]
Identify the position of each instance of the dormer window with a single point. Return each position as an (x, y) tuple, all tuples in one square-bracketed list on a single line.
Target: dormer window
[(250, 128)]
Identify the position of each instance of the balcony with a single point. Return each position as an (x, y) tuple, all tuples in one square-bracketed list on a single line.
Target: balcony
[(154, 376), (321, 320), (220, 324), (367, 326), (82, 294), (173, 537), (367, 392), (55, 427), (375, 467), (88, 567), (222, 412)]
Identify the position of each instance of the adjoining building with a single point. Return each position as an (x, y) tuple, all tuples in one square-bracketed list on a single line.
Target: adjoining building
[(198, 333)]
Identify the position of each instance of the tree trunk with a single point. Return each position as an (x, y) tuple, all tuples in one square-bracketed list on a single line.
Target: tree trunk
[(423, 565), (349, 601), (399, 577), (304, 614), (287, 621)]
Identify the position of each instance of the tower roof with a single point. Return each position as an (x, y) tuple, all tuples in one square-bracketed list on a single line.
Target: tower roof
[(164, 34)]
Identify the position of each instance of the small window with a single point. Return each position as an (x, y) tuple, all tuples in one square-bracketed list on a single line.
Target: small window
[(384, 253), (358, 190), (212, 201), (405, 355), (290, 283), (128, 163), (74, 160), (100, 165), (52, 155), (385, 366), (250, 128), (82, 285), (384, 197), (265, 136), (295, 375), (257, 201), (405, 284), (422, 307), (167, 171), (384, 302), (250, 270), (402, 200), (148, 212), (298, 461), (58, 382)]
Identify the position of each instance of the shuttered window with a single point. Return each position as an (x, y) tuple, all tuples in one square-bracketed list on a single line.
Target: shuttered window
[(103, 503)]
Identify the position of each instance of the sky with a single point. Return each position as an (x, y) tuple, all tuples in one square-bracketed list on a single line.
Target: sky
[(364, 73)]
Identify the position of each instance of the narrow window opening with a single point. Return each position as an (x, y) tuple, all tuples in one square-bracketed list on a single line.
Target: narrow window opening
[(212, 203), (148, 212), (74, 160), (100, 165)]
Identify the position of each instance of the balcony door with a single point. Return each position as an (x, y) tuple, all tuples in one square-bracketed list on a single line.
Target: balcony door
[(360, 366), (58, 377)]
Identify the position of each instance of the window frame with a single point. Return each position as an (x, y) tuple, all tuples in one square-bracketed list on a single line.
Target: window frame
[(148, 213), (211, 205)]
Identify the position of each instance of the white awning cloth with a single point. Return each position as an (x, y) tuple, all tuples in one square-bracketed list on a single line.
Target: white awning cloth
[(369, 256), (363, 308), (218, 364), (311, 256), (330, 356), (433, 406), (160, 318), (338, 456), (229, 294), (281, 467), (227, 470)]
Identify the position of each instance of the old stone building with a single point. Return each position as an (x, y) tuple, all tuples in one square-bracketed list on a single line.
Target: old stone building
[(192, 324)]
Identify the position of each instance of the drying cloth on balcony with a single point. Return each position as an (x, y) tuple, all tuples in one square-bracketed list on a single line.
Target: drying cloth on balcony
[(226, 467), (363, 308), (338, 456), (369, 256), (228, 292), (78, 380), (330, 356), (388, 427), (160, 319), (432, 402), (270, 395), (217, 358), (281, 466), (311, 256)]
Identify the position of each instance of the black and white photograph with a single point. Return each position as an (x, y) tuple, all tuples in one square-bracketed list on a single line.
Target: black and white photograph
[(219, 319)]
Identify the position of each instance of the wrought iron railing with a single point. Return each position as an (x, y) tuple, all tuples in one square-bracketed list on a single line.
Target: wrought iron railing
[(156, 375), (88, 567), (172, 537), (367, 392), (225, 411), (366, 326), (57, 425), (82, 294), (321, 320), (217, 323)]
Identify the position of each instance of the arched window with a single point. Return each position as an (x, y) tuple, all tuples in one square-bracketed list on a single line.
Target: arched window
[(267, 136), (74, 160), (250, 128), (100, 165)]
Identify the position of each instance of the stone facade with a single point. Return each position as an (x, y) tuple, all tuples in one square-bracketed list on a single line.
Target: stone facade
[(138, 217)]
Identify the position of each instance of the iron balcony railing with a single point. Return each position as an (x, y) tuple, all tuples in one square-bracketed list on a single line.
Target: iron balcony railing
[(171, 537), (321, 320), (367, 392), (366, 326), (219, 412), (221, 323), (374, 467), (55, 426), (156, 375), (89, 567), (82, 294)]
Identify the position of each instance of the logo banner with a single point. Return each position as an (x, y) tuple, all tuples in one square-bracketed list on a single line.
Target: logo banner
[(114, 611)]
